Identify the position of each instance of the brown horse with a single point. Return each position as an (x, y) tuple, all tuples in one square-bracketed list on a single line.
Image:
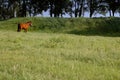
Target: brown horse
[(24, 26)]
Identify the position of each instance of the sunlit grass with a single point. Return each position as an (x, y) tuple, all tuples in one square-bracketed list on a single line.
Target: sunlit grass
[(53, 56)]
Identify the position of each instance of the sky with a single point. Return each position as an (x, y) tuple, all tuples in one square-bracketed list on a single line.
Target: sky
[(46, 14)]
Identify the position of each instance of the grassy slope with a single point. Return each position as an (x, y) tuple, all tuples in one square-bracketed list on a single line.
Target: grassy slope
[(57, 56), (68, 25)]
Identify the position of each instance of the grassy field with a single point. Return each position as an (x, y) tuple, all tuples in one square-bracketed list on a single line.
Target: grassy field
[(39, 55), (52, 56)]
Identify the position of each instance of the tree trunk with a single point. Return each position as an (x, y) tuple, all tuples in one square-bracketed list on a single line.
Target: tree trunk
[(15, 13), (113, 12), (24, 9), (51, 10), (75, 9), (110, 12), (81, 9)]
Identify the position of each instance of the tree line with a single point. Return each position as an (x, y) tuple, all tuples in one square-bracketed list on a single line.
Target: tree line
[(57, 8)]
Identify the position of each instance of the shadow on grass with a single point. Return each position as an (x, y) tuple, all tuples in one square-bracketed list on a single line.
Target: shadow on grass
[(94, 33)]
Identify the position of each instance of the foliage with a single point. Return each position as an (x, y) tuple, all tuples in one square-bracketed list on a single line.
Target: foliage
[(57, 8)]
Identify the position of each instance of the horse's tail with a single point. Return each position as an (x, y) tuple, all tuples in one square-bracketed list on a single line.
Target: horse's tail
[(18, 28)]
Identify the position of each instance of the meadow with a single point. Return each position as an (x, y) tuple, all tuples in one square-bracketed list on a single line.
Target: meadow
[(58, 53)]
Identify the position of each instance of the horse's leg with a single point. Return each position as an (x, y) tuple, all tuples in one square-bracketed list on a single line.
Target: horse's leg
[(25, 30), (18, 30)]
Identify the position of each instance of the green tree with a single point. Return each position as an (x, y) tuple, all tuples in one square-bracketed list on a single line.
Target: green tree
[(113, 6), (39, 6), (59, 7), (92, 5), (69, 10), (51, 3)]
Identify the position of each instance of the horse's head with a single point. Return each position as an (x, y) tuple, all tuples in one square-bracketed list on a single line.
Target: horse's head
[(30, 23)]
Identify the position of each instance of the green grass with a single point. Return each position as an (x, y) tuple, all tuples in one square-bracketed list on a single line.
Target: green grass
[(77, 26), (53, 56), (60, 49)]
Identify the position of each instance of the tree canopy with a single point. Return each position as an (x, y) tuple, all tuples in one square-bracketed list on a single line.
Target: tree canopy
[(58, 8)]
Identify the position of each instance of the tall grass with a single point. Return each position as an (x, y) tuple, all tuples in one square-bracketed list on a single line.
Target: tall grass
[(52, 56)]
